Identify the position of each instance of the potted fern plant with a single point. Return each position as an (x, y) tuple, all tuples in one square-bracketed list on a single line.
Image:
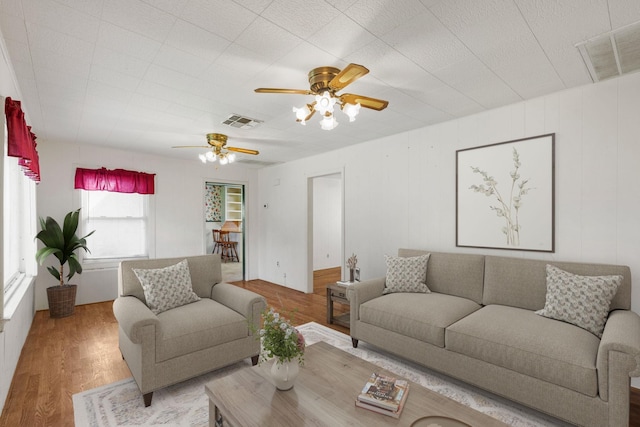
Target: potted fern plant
[(61, 243)]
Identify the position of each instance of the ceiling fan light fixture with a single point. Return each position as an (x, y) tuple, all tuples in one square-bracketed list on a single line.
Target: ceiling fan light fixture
[(324, 85), (301, 114), (218, 149), (351, 110), (325, 102), (328, 122)]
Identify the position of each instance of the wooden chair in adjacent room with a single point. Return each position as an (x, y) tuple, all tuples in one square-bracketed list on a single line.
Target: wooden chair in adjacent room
[(217, 243), (227, 248), (230, 247)]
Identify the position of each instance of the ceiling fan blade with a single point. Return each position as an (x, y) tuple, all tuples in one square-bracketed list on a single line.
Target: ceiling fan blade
[(191, 146), (278, 90), (242, 150), (348, 75), (365, 101)]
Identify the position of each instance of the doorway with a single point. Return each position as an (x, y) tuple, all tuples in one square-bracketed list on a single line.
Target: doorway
[(224, 204), (325, 230)]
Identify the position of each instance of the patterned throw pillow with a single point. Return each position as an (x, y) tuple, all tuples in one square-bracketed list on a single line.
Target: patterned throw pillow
[(580, 300), (406, 274), (168, 287)]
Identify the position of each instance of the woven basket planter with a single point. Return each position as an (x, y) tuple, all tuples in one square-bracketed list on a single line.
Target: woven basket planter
[(62, 300)]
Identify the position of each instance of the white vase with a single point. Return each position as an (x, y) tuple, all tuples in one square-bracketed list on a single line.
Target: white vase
[(284, 373)]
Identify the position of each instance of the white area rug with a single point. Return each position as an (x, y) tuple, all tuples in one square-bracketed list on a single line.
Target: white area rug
[(186, 404)]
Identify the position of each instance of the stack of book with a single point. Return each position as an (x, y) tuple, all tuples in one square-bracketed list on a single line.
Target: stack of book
[(384, 395)]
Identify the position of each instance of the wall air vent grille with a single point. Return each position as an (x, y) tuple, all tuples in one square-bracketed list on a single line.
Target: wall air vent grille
[(612, 54), (241, 122)]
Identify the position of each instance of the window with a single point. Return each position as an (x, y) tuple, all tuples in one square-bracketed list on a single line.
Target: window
[(18, 224), (122, 223), (12, 191)]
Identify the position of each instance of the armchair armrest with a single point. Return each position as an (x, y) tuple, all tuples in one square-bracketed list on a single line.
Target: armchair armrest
[(132, 316), (248, 303), (362, 292), (621, 334)]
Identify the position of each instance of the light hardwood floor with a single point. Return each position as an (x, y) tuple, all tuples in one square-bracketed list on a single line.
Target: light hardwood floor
[(62, 357)]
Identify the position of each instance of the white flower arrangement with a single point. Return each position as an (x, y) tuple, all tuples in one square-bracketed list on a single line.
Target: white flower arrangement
[(280, 339), (352, 262)]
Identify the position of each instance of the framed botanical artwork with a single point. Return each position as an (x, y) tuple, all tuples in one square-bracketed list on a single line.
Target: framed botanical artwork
[(505, 195)]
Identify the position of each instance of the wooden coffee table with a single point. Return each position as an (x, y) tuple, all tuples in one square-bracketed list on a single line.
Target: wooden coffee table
[(324, 395)]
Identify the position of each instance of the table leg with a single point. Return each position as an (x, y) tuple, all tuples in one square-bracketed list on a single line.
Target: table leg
[(219, 420), (329, 307), (215, 417)]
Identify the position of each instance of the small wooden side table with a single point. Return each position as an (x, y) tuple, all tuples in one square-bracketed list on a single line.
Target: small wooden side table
[(337, 293)]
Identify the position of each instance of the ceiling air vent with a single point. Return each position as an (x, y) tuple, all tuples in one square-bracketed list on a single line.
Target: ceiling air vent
[(612, 54), (241, 122)]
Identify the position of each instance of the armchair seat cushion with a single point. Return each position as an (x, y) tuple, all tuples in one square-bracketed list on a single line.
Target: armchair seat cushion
[(421, 316), (200, 325), (521, 341)]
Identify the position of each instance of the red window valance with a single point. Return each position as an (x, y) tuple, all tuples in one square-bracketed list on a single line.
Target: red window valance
[(21, 141), (116, 181)]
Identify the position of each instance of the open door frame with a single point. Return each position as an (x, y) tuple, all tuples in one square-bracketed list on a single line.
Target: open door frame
[(310, 179), (230, 183)]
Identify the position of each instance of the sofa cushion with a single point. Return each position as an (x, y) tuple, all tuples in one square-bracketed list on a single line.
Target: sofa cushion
[(203, 324), (420, 316), (456, 274), (406, 274), (519, 340), (521, 282), (580, 300), (168, 287)]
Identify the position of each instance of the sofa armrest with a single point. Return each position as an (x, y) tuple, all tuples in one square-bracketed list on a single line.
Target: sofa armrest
[(248, 303), (361, 292), (621, 334), (132, 316)]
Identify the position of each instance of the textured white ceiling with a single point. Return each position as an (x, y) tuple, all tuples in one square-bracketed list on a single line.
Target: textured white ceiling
[(149, 74)]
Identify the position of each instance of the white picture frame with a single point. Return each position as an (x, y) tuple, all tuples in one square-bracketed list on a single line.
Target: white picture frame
[(505, 195)]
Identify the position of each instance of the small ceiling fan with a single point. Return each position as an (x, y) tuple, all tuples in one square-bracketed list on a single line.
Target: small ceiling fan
[(219, 150), (324, 83)]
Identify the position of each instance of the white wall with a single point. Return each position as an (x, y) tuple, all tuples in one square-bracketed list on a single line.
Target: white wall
[(405, 197), (327, 222), (12, 340), (179, 205)]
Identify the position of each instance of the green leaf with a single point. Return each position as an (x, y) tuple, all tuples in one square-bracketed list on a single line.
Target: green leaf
[(70, 225), (44, 253), (42, 223), (74, 266), (51, 234), (54, 272)]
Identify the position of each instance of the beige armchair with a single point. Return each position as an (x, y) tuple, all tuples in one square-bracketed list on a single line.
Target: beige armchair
[(189, 340)]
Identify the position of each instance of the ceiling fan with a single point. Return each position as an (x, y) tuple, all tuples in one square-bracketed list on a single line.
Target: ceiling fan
[(324, 83), (219, 150)]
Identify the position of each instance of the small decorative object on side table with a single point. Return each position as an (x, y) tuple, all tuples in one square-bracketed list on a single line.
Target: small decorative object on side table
[(352, 263), (337, 292)]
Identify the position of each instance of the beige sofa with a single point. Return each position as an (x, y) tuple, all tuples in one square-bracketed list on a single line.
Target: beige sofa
[(186, 341), (478, 325)]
